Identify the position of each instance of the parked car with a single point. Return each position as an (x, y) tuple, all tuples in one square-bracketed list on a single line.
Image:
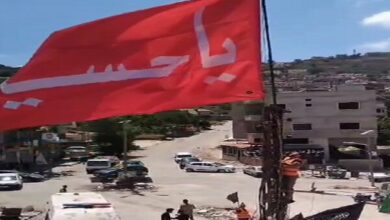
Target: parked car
[(26, 177), (31, 177), (77, 153), (255, 171), (98, 164), (209, 167), (11, 181), (179, 156), (113, 173), (114, 159), (183, 163), (110, 173), (381, 177)]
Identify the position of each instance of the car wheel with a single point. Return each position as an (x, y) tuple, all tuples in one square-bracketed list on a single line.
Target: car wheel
[(189, 170), (19, 187)]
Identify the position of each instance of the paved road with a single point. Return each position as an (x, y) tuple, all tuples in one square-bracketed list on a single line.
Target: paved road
[(173, 185)]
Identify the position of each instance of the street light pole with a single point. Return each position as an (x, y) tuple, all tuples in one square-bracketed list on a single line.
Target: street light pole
[(369, 148), (370, 144), (125, 150)]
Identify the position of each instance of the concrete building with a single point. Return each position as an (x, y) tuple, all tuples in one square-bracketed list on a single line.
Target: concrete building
[(323, 118), (331, 117)]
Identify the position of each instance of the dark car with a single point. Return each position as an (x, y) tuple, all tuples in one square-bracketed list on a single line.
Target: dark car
[(31, 177), (110, 173), (135, 162), (183, 163), (113, 173)]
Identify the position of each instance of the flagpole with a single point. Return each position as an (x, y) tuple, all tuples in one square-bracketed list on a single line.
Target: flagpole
[(269, 49)]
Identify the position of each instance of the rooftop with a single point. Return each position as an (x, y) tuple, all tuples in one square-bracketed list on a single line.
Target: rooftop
[(59, 199)]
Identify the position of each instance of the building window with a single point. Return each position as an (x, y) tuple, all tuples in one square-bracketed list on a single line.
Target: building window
[(308, 100), (349, 105), (379, 110), (349, 126), (309, 105), (296, 141), (302, 127), (283, 106)]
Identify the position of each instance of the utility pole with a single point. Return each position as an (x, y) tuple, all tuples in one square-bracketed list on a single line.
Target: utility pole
[(271, 204), (125, 143)]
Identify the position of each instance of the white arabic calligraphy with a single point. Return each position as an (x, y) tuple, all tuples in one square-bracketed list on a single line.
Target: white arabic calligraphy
[(91, 77), (162, 66), (204, 46)]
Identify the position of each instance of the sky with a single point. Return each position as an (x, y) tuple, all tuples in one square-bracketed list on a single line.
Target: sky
[(299, 29)]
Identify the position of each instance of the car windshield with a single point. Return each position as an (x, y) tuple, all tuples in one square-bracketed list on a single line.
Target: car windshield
[(7, 178), (135, 163), (137, 168), (193, 159), (77, 149), (97, 163), (184, 155)]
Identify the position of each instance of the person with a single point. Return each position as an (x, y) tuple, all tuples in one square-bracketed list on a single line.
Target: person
[(64, 189), (167, 214), (242, 213), (182, 216), (290, 173), (187, 209)]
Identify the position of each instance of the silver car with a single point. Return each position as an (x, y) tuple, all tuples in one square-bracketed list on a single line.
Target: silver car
[(11, 181)]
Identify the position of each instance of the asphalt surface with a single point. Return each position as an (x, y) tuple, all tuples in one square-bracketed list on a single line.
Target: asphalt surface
[(172, 185)]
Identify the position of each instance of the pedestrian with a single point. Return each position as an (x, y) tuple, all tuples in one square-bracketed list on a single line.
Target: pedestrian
[(187, 209), (64, 189), (167, 214), (182, 216), (290, 173), (242, 213)]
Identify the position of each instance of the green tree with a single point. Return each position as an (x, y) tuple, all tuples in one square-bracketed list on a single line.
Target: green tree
[(109, 135), (384, 131)]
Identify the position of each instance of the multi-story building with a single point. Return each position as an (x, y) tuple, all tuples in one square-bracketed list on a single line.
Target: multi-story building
[(330, 117), (317, 117)]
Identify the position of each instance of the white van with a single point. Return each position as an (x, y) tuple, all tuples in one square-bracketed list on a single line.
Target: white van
[(77, 153), (180, 155), (80, 206), (98, 164)]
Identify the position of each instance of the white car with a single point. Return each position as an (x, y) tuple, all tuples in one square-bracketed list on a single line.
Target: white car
[(98, 164), (11, 181), (181, 155), (209, 167)]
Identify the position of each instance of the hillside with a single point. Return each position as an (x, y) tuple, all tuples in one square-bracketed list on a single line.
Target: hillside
[(6, 71), (370, 63)]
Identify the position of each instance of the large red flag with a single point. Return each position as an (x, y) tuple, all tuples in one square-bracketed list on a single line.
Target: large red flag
[(178, 56)]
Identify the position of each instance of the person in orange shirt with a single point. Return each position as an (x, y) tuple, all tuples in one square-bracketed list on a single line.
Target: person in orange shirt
[(242, 213), (290, 173)]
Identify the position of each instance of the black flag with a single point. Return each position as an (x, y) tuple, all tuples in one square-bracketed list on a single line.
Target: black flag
[(233, 197), (351, 212)]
